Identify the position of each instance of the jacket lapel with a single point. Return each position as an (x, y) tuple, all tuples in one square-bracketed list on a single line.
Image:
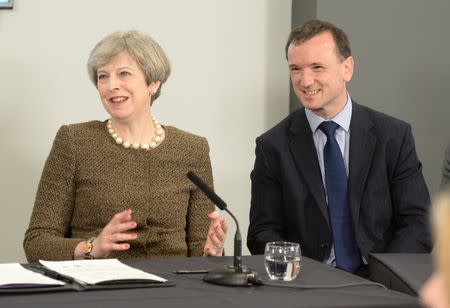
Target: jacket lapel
[(362, 147), (301, 145)]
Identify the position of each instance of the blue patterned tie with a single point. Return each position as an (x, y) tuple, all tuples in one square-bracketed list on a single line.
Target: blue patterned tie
[(348, 256)]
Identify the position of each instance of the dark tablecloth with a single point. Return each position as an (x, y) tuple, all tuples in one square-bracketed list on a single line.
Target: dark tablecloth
[(192, 291)]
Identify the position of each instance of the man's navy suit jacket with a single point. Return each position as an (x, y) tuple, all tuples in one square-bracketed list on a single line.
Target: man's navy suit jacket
[(387, 194)]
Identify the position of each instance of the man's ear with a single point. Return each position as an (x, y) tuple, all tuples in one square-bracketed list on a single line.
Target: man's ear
[(348, 66)]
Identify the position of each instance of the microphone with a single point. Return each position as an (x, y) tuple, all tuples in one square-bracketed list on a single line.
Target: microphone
[(235, 275)]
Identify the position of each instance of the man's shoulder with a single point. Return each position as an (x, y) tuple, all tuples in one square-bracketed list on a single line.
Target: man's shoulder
[(282, 129), (380, 120)]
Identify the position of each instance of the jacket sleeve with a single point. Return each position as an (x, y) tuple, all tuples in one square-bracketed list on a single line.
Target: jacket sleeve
[(266, 215), (46, 236), (411, 202), (197, 221)]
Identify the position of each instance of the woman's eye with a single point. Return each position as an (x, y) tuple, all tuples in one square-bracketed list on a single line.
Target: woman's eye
[(101, 76), (125, 73)]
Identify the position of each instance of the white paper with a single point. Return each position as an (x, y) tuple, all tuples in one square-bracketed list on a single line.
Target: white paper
[(99, 270), (14, 273)]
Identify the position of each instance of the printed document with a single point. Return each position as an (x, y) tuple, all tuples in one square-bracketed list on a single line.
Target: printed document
[(100, 271)]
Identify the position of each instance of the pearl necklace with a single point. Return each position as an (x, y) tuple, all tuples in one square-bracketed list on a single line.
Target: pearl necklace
[(159, 137)]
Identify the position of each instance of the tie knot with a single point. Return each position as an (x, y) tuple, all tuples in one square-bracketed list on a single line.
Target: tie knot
[(328, 128)]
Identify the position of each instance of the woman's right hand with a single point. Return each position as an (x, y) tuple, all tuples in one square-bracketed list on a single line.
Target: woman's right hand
[(114, 237)]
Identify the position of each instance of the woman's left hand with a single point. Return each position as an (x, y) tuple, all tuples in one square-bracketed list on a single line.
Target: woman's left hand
[(217, 234)]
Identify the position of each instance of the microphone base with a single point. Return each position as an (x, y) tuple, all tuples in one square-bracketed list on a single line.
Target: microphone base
[(230, 276)]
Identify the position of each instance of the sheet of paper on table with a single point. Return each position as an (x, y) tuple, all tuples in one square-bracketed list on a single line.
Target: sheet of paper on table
[(14, 275)]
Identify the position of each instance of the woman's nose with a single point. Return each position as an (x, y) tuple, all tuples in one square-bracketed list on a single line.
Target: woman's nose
[(113, 83)]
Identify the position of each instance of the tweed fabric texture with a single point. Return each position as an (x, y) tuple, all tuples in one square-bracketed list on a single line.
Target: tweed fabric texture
[(88, 178)]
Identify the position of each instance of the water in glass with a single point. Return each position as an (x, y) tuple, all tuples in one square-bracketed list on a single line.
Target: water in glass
[(282, 260)]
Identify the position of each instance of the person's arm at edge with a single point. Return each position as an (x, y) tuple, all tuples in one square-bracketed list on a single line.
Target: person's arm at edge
[(445, 182)]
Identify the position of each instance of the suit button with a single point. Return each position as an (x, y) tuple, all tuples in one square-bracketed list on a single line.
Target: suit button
[(324, 245)]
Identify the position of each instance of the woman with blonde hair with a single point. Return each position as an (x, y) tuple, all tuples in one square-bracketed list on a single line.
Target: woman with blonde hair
[(118, 187), (436, 292)]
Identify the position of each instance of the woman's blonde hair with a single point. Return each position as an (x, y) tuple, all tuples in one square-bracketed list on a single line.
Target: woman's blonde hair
[(143, 49), (441, 225)]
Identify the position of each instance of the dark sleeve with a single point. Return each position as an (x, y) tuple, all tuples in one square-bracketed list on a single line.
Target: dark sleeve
[(266, 215), (45, 237), (200, 206), (445, 182), (411, 202)]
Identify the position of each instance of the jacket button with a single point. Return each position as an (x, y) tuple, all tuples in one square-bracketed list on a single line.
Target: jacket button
[(324, 245)]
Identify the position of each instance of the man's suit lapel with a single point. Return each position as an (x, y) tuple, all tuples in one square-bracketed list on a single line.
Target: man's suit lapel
[(362, 146), (301, 145)]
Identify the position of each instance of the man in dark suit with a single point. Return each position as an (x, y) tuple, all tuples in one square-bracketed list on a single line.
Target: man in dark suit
[(344, 188)]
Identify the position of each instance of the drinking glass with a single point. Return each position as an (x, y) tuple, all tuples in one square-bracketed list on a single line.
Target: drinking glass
[(282, 260)]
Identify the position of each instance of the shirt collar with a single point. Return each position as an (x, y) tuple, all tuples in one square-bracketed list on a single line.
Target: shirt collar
[(343, 118)]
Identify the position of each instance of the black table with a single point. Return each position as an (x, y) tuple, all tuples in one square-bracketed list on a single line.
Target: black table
[(401, 272), (192, 291)]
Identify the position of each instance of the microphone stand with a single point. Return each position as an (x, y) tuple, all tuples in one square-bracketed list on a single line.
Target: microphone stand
[(235, 275)]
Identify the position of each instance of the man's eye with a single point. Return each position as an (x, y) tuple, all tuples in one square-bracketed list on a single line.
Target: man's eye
[(317, 67)]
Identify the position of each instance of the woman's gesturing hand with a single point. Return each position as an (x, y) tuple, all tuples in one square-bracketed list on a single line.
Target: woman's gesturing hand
[(114, 237), (217, 234)]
